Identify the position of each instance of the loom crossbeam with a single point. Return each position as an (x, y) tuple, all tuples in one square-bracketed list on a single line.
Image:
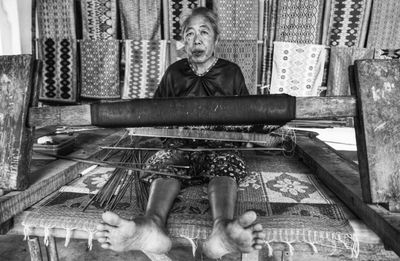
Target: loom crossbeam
[(255, 109)]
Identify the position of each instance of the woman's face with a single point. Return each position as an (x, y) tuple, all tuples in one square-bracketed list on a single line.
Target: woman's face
[(199, 39)]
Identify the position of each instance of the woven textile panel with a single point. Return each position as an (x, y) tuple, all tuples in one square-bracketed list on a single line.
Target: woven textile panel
[(340, 60), (100, 69), (384, 28), (299, 21), (244, 54), (297, 68), (387, 53), (15, 138), (59, 74), (348, 23), (238, 19), (140, 19), (99, 19), (56, 19), (177, 10), (145, 63)]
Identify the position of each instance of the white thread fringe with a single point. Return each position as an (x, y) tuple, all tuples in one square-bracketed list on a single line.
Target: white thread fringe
[(191, 241), (90, 240), (46, 236), (67, 236), (27, 231)]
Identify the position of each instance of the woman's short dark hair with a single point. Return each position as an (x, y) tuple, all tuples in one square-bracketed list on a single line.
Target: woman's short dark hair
[(204, 12)]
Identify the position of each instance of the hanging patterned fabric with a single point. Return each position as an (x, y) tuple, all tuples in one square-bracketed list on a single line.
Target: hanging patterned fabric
[(297, 68), (56, 19), (387, 53), (299, 21), (177, 10), (340, 60), (348, 22), (100, 69), (145, 65), (384, 28), (99, 19), (59, 74), (244, 54), (140, 19), (238, 19)]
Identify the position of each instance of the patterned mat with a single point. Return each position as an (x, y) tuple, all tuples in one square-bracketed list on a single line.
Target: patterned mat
[(384, 29), (244, 54), (340, 60), (387, 54), (297, 68), (293, 208), (56, 19), (299, 21), (100, 69), (99, 19), (140, 19), (348, 23), (238, 19), (145, 63), (59, 74)]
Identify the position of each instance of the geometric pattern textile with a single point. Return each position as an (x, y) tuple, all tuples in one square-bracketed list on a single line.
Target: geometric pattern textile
[(297, 69), (177, 11), (299, 21), (99, 19), (56, 19), (387, 53), (238, 19), (145, 63), (140, 19), (100, 69), (384, 29), (340, 59), (59, 74), (347, 20), (244, 54)]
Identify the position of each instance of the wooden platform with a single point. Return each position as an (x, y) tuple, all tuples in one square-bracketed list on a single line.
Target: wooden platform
[(341, 176)]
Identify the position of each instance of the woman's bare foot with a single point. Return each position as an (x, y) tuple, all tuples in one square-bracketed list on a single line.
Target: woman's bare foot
[(143, 233), (240, 235)]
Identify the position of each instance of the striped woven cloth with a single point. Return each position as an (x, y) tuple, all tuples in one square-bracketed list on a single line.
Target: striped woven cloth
[(384, 29), (100, 69), (140, 19), (340, 60), (145, 63), (177, 10), (99, 19)]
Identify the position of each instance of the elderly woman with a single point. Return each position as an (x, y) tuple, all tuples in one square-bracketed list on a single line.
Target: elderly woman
[(201, 74)]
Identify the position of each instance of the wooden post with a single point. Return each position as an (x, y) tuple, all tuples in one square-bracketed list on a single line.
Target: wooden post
[(34, 249)]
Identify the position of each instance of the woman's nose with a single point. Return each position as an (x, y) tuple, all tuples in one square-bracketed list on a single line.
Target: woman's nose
[(197, 39)]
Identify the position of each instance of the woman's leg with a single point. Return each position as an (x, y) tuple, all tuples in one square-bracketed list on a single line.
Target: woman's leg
[(148, 232), (230, 235)]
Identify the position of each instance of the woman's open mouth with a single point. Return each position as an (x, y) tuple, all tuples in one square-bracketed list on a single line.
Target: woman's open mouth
[(198, 53)]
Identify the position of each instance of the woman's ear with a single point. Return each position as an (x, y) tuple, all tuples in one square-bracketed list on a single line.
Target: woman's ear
[(216, 40)]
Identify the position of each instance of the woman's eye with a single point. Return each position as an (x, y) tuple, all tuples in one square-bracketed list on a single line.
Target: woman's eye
[(204, 32), (189, 34)]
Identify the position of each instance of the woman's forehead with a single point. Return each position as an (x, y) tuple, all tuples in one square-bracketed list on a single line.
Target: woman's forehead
[(199, 21)]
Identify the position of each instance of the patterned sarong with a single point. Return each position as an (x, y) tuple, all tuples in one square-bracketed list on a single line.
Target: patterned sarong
[(348, 21), (244, 54), (297, 68), (299, 21), (140, 19), (384, 29), (145, 63), (100, 69), (177, 10), (99, 19), (59, 73), (340, 60), (238, 19), (56, 19)]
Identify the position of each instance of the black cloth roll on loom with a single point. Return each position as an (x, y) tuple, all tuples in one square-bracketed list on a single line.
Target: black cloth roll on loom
[(217, 110)]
